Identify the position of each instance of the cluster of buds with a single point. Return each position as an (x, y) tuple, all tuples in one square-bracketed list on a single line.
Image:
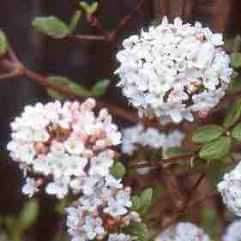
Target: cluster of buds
[(173, 70), (66, 143)]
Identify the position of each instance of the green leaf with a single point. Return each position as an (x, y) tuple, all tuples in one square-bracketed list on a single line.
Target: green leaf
[(118, 170), (89, 8), (140, 230), (3, 44), (176, 151), (136, 203), (29, 214), (100, 88), (207, 133), (236, 132), (145, 200), (51, 26), (236, 60), (233, 115), (216, 149), (65, 82), (75, 20)]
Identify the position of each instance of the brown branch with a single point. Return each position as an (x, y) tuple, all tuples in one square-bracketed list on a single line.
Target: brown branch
[(89, 37)]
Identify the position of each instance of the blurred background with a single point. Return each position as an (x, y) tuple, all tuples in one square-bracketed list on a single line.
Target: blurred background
[(84, 62)]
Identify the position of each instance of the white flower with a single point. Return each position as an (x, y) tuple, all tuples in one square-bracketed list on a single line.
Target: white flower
[(100, 164), (139, 136), (58, 188), (230, 189), (115, 208), (119, 237), (165, 71), (64, 142), (30, 187), (233, 232), (183, 232)]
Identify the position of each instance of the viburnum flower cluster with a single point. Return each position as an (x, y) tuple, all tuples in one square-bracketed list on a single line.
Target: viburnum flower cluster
[(71, 146), (183, 232), (173, 70), (233, 232), (67, 143), (104, 210), (230, 189), (136, 136)]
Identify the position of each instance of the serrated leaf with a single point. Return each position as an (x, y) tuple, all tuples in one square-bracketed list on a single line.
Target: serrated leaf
[(75, 20), (236, 60), (216, 149), (29, 214), (140, 230), (118, 170), (236, 132), (100, 88), (65, 82), (207, 133), (3, 44), (145, 200), (233, 116), (176, 151), (51, 26)]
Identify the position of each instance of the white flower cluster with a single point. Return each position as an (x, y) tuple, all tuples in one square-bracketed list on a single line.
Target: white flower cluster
[(174, 69), (233, 232), (65, 142), (101, 211), (135, 136), (183, 232), (230, 189)]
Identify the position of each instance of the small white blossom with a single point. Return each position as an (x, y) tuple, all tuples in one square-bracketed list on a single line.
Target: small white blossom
[(67, 143), (183, 232), (119, 237), (30, 187), (233, 232), (173, 70), (230, 189), (139, 136)]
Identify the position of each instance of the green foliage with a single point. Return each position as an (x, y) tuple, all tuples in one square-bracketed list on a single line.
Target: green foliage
[(118, 170), (140, 230), (209, 220), (236, 60), (51, 26), (176, 151), (234, 115), (89, 9), (207, 133), (66, 83), (16, 226), (29, 214), (216, 149), (100, 88), (75, 20), (142, 202), (3, 44), (236, 132)]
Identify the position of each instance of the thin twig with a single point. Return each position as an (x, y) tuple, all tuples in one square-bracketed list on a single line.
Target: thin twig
[(89, 37)]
